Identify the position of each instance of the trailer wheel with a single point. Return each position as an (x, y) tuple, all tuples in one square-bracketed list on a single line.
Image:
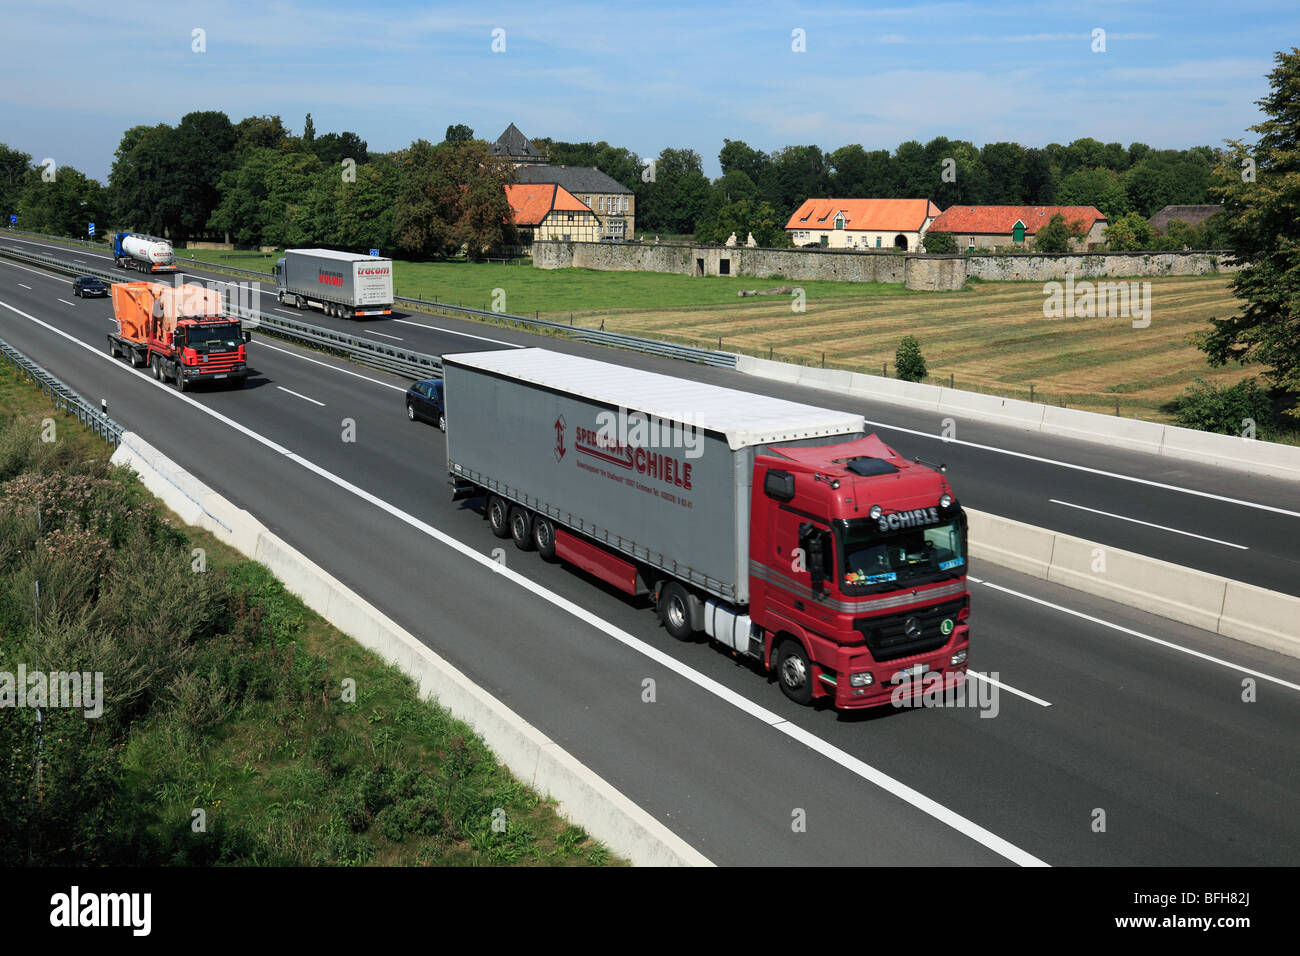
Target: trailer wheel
[(498, 513), (180, 379), (521, 528), (675, 611), (112, 349), (544, 537), (794, 672), (157, 368)]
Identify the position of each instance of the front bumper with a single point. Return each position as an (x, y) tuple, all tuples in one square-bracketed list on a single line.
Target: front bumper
[(926, 672)]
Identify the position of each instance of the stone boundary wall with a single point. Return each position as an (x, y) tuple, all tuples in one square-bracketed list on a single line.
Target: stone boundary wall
[(916, 271)]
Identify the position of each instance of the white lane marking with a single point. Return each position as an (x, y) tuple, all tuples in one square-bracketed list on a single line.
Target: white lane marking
[(1189, 534), (300, 395), (286, 311), (778, 723), (66, 302), (385, 335), (44, 275), (1093, 471), (263, 344), (468, 335), (1008, 688), (27, 287), (46, 245), (1147, 637)]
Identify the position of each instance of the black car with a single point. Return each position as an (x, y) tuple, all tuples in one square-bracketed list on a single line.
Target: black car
[(424, 402), (88, 287)]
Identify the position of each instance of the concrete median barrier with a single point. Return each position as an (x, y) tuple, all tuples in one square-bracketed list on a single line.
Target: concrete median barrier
[(1220, 605), (581, 794), (1225, 451)]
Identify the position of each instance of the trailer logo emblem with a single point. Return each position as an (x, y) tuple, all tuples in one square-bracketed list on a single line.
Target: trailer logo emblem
[(912, 628), (559, 438)]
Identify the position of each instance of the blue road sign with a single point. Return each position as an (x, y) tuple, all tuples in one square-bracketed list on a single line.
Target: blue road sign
[(13, 219), (92, 228), (375, 253)]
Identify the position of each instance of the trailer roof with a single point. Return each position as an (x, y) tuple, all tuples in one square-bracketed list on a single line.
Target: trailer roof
[(335, 254), (744, 418)]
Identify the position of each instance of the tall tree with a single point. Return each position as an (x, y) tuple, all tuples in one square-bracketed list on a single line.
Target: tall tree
[(678, 196), (308, 130), (1007, 166), (458, 133), (202, 148), (1100, 187), (14, 167), (1260, 191), (738, 155), (64, 206)]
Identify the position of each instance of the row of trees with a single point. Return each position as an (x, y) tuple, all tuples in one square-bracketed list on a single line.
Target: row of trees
[(259, 184)]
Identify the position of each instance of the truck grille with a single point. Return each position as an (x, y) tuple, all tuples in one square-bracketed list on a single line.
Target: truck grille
[(217, 362), (887, 636)]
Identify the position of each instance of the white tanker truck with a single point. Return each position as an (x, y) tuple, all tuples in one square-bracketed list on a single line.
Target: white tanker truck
[(132, 250)]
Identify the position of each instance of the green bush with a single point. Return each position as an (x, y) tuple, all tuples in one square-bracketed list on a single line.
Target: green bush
[(908, 360), (1226, 410), (940, 242)]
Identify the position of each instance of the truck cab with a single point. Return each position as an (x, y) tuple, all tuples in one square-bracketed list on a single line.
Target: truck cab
[(858, 571)]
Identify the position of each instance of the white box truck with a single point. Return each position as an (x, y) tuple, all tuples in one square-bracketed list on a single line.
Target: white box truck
[(345, 285)]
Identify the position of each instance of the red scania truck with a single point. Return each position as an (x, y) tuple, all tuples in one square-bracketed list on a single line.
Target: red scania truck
[(780, 530), (181, 332)]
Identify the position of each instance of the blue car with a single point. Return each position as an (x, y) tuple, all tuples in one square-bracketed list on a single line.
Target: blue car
[(424, 403)]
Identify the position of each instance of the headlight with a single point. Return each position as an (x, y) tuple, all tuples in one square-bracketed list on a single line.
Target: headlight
[(959, 657), (945, 501), (861, 680), (875, 512)]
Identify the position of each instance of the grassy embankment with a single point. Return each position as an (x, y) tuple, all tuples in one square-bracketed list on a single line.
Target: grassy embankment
[(222, 693)]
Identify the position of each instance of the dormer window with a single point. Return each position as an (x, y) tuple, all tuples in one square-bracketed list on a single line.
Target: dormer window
[(839, 221)]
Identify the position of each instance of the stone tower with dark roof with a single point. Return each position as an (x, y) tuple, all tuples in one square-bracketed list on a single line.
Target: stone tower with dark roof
[(514, 146)]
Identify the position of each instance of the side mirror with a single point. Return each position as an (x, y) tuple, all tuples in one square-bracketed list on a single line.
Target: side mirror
[(813, 541), (248, 336)]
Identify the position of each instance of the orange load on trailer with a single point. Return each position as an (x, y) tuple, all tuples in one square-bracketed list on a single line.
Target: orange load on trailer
[(181, 332), (149, 310)]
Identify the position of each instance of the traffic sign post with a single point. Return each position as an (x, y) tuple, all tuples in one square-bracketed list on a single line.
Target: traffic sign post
[(13, 219), (375, 253), (92, 228)]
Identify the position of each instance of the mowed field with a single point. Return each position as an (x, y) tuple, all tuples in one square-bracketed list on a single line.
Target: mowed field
[(991, 337)]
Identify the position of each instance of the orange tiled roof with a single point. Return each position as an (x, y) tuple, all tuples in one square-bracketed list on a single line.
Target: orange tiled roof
[(1001, 220), (890, 215), (531, 202)]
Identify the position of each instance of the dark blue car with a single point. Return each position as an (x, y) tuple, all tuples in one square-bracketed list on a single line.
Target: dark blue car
[(424, 403), (89, 287)]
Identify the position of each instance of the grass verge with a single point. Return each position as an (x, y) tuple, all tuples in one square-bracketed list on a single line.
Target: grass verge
[(237, 726)]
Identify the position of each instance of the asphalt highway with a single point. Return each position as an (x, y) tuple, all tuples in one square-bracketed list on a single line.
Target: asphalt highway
[(1113, 738)]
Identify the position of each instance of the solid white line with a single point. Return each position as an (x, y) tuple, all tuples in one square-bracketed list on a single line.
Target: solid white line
[(385, 335), (1093, 471), (286, 311), (46, 275), (262, 344), (1008, 688), (1147, 637), (1189, 534), (66, 302), (859, 768), (468, 335), (46, 245), (300, 395), (27, 287)]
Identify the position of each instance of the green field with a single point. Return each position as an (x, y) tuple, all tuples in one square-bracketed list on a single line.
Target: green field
[(585, 293)]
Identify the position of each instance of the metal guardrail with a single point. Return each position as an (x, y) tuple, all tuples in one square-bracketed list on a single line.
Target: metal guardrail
[(63, 396), (635, 343), (379, 355)]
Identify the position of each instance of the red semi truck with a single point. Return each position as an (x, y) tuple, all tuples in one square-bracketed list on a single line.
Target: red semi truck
[(780, 530), (181, 332)]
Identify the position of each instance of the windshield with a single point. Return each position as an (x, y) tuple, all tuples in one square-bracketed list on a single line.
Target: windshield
[(876, 560), (218, 338)]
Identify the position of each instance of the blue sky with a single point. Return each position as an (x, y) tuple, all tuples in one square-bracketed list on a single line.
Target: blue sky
[(644, 75)]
